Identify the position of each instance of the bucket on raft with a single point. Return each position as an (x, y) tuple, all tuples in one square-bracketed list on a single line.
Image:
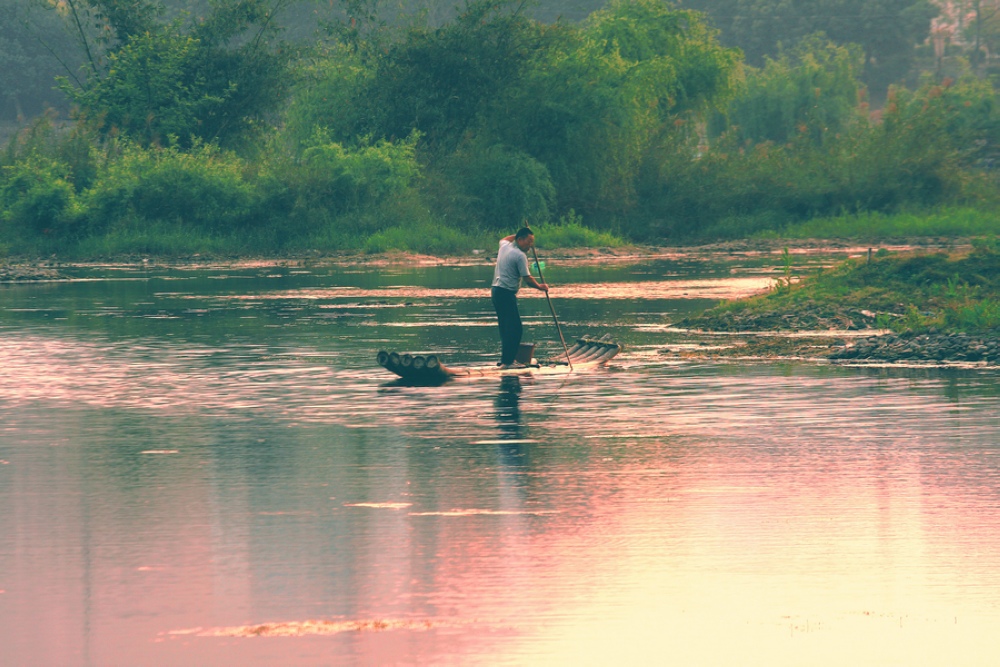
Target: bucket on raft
[(525, 353)]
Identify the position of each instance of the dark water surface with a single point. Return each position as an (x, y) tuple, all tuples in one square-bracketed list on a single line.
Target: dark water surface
[(206, 467)]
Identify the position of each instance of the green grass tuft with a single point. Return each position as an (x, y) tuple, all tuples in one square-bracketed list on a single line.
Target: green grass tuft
[(569, 232)]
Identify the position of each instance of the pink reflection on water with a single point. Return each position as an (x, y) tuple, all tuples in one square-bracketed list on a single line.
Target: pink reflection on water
[(695, 518), (78, 374), (829, 567)]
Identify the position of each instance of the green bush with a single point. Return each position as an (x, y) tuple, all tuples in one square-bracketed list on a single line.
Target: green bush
[(569, 232), (157, 238), (431, 239), (325, 98), (38, 198), (925, 149), (204, 188), (521, 122), (977, 315), (330, 181), (505, 187), (727, 189), (73, 146), (160, 79), (734, 188), (811, 90)]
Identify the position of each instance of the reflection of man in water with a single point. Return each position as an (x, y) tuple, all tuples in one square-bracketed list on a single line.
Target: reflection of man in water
[(508, 416), (512, 266), (507, 404)]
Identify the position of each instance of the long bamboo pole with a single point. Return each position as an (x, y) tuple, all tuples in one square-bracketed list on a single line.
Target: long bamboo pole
[(552, 309)]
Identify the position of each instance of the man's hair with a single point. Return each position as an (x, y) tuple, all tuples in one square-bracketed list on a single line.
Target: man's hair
[(523, 232)]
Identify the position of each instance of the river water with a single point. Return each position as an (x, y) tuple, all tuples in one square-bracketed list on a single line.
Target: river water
[(205, 466)]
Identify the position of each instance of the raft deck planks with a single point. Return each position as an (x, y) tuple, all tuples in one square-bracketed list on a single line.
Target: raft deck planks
[(428, 369)]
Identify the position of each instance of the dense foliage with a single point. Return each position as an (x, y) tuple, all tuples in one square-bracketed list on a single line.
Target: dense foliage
[(203, 131), (885, 30), (161, 81)]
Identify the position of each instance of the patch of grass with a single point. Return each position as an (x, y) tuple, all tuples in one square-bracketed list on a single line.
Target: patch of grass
[(576, 236), (976, 315), (903, 292), (159, 239), (569, 232), (950, 222), (422, 238)]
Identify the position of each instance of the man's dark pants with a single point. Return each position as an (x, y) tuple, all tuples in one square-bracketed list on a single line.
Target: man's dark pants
[(511, 330)]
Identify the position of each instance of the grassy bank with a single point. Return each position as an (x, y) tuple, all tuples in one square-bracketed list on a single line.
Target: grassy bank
[(948, 222), (169, 239), (906, 292), (175, 240)]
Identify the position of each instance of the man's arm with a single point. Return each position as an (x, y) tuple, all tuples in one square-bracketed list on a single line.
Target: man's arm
[(510, 238), (530, 279)]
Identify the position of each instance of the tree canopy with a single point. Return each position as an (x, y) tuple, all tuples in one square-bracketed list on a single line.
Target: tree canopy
[(887, 30), (160, 81), (637, 120)]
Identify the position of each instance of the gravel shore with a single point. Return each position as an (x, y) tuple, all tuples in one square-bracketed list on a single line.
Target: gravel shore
[(22, 273), (878, 347), (923, 347), (761, 335)]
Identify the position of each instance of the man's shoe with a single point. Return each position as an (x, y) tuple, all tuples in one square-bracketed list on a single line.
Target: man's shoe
[(516, 364)]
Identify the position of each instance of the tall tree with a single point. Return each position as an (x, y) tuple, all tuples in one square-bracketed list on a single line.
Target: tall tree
[(600, 98), (887, 30), (983, 31), (30, 59), (810, 91), (212, 79), (441, 81)]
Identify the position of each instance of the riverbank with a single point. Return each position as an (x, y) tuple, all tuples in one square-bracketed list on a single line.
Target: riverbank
[(867, 347), (924, 306), (22, 272), (17, 267)]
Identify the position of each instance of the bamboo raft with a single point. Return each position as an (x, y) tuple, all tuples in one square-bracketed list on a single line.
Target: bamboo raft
[(587, 353)]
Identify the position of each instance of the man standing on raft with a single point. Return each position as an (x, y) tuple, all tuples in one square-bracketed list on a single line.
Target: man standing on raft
[(512, 266)]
